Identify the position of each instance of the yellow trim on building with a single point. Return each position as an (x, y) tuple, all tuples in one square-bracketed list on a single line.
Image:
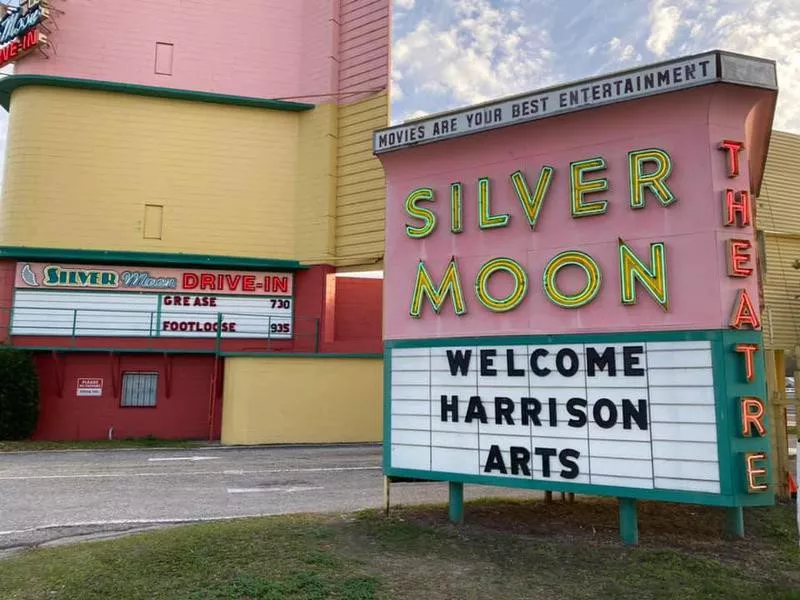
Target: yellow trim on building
[(778, 219), (361, 186), (315, 208), (302, 400), (110, 171)]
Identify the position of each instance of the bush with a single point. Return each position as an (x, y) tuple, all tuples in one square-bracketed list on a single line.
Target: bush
[(19, 394)]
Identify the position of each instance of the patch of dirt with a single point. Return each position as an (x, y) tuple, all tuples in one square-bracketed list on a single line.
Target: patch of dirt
[(689, 528)]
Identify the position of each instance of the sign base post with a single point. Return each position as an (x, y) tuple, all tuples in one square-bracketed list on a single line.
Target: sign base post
[(734, 522), (456, 502), (628, 521)]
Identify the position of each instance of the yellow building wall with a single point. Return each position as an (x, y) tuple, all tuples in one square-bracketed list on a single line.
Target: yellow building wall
[(781, 312), (85, 167), (361, 187), (778, 221), (315, 209), (285, 400), (82, 166)]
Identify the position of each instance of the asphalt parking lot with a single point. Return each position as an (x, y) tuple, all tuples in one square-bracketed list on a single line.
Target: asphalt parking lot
[(48, 496)]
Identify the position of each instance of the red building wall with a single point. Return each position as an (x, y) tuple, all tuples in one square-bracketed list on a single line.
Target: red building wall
[(7, 276), (359, 303), (332, 315), (182, 405)]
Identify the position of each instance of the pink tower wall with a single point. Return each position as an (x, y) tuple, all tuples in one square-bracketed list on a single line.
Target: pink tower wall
[(258, 48), (364, 48)]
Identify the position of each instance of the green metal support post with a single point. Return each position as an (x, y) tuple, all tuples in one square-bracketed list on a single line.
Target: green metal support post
[(628, 521), (734, 522), (456, 502)]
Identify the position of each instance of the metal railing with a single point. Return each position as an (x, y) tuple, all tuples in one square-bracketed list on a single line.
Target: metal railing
[(47, 327)]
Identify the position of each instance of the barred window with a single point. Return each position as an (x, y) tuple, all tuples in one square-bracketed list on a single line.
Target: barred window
[(139, 389)]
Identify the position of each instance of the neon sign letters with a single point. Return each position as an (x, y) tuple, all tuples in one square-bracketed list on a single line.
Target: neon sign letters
[(649, 171), (19, 29)]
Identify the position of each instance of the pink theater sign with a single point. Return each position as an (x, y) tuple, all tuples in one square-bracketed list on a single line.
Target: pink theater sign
[(572, 288)]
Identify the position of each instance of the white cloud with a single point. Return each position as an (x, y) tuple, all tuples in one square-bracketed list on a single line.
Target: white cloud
[(769, 29), (481, 52), (417, 114), (396, 88), (404, 4), (664, 21), (622, 53)]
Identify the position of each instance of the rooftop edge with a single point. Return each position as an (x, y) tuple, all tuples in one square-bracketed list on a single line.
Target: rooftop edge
[(682, 73), (12, 82)]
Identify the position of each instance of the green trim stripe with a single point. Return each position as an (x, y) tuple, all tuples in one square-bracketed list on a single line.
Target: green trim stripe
[(585, 338), (351, 355), (125, 258), (12, 82), (387, 407), (738, 387), (718, 365), (577, 488), (198, 351)]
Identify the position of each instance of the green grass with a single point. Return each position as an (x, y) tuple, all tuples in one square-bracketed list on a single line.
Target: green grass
[(506, 550), (148, 442)]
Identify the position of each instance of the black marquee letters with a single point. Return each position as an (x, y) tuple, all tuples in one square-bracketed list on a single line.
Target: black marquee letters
[(597, 412), (578, 416), (561, 359), (531, 407), (567, 458), (546, 454), (512, 371), (487, 363), (495, 461), (543, 412), (537, 370), (596, 361), (459, 361), (601, 360), (520, 461), (630, 358), (476, 410), (449, 407)]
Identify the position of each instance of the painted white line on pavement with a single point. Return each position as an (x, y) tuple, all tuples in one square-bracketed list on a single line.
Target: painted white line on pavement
[(135, 522), (185, 473), (209, 448), (284, 490), (191, 458)]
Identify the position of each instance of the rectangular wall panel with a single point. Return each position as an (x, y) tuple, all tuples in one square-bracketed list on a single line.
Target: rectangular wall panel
[(60, 313)]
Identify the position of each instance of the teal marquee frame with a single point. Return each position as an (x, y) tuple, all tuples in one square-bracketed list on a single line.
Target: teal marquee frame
[(730, 385)]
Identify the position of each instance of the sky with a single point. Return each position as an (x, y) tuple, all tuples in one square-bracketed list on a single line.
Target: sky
[(452, 53)]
